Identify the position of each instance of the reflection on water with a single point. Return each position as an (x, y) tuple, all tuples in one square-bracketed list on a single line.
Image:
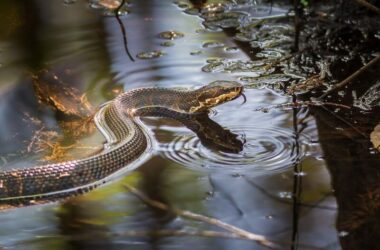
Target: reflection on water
[(266, 172), (265, 150)]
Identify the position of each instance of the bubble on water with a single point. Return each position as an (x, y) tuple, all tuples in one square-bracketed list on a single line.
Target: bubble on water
[(343, 234), (300, 174), (266, 150), (285, 195), (150, 54), (171, 35), (269, 217)]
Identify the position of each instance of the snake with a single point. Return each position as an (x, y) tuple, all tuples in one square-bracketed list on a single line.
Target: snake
[(127, 139)]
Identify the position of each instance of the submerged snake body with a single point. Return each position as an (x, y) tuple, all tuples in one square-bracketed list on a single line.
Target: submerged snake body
[(126, 142)]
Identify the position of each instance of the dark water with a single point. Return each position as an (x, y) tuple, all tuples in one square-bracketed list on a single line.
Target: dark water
[(278, 185)]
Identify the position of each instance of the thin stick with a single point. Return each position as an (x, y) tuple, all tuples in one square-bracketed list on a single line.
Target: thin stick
[(302, 104), (369, 6), (209, 220), (124, 33), (159, 233), (351, 77)]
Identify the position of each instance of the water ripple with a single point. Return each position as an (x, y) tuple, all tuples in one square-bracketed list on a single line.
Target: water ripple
[(266, 150)]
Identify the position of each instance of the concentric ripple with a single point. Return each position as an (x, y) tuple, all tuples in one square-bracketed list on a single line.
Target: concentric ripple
[(266, 150)]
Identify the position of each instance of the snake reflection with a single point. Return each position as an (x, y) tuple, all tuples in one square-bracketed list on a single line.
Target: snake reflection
[(126, 141)]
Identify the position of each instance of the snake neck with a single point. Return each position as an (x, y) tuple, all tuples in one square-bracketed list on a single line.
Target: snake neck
[(176, 100)]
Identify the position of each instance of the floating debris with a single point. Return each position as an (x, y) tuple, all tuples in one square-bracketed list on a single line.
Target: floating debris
[(375, 137), (213, 67), (69, 2), (271, 54), (201, 31), (181, 4), (110, 4), (256, 30), (195, 52), (167, 44), (150, 54), (234, 66), (191, 11), (231, 49), (214, 8), (224, 20), (369, 99), (273, 81), (171, 35), (272, 78), (212, 44), (307, 85), (109, 7)]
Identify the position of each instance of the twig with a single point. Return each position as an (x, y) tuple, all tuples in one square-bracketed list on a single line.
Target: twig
[(34, 139), (209, 220), (159, 233), (303, 104), (275, 62), (123, 30), (369, 6), (285, 58), (351, 77)]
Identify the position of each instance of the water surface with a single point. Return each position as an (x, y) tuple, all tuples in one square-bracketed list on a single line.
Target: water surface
[(277, 185)]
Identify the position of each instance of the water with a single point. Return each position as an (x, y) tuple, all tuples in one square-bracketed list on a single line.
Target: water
[(265, 173)]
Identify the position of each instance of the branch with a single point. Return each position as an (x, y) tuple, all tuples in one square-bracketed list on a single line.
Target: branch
[(124, 33), (369, 6), (302, 104), (351, 77), (209, 220)]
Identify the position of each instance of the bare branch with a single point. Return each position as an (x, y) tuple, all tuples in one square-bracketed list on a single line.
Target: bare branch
[(209, 220), (351, 77), (369, 6)]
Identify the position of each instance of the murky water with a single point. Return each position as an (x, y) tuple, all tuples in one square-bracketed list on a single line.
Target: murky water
[(274, 181)]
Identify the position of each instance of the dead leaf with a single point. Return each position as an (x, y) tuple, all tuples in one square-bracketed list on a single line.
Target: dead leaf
[(375, 137)]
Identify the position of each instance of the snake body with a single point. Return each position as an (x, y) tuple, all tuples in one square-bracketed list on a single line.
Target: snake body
[(126, 141)]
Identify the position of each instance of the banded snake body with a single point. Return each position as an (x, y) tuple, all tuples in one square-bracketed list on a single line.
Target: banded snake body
[(126, 141)]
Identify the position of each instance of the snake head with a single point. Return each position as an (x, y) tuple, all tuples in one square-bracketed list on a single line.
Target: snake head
[(216, 93)]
